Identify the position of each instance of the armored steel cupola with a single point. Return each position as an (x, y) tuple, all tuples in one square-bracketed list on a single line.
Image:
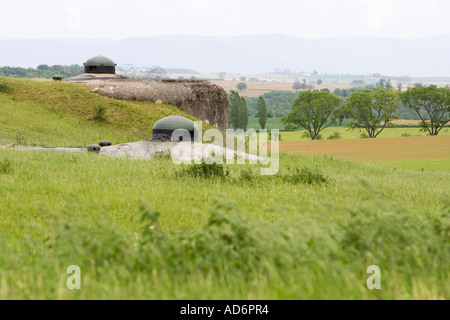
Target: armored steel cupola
[(175, 128), (100, 64)]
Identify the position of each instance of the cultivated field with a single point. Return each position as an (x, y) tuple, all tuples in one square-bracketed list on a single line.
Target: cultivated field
[(258, 88), (369, 150)]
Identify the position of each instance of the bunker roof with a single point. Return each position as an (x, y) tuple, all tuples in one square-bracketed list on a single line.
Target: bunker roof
[(174, 123), (100, 61)]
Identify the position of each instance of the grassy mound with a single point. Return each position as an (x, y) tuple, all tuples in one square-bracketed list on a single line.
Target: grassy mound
[(59, 114)]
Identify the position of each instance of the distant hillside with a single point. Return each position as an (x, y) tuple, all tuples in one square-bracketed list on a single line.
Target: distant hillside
[(252, 54), (59, 114)]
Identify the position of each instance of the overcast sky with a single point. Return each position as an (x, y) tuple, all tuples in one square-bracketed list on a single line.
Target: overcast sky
[(118, 19)]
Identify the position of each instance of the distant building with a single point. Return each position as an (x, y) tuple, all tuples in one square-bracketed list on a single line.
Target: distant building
[(100, 64)]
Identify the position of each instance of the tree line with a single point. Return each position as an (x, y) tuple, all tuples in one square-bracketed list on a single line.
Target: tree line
[(238, 111), (42, 71), (369, 109)]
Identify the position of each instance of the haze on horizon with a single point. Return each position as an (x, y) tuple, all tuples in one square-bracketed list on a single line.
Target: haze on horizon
[(114, 19)]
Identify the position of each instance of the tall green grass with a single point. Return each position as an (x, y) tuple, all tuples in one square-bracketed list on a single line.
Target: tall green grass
[(139, 229)]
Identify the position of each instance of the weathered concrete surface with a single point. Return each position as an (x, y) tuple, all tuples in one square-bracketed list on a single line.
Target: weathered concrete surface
[(184, 151), (199, 98)]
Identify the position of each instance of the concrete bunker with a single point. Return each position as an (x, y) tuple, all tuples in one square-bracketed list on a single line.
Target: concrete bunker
[(199, 98)]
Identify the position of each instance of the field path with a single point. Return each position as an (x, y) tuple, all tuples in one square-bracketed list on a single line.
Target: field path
[(390, 149)]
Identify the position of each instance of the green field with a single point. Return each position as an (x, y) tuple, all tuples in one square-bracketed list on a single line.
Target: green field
[(238, 237), (349, 134), (149, 229), (272, 123), (425, 165)]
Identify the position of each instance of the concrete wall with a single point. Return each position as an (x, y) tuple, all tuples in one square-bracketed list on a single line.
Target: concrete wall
[(201, 99)]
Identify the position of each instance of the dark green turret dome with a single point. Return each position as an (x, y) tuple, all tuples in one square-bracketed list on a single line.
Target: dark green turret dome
[(100, 64), (164, 128)]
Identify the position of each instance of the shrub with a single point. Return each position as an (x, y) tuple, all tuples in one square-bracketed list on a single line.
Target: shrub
[(5, 88), (406, 134), (247, 175), (204, 170), (5, 166), (20, 139), (306, 135), (306, 176), (335, 136), (364, 136), (100, 113)]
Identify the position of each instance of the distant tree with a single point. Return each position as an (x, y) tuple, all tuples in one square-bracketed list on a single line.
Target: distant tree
[(43, 67), (372, 110), (383, 83), (432, 105), (388, 84), (313, 111), (315, 73), (241, 86), (243, 114), (319, 82), (297, 85), (262, 112), (358, 82), (42, 71), (344, 93), (234, 103), (277, 101), (238, 112), (243, 78)]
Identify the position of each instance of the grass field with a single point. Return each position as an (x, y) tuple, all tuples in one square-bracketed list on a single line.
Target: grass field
[(425, 165), (348, 134), (272, 123), (149, 229), (236, 237)]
